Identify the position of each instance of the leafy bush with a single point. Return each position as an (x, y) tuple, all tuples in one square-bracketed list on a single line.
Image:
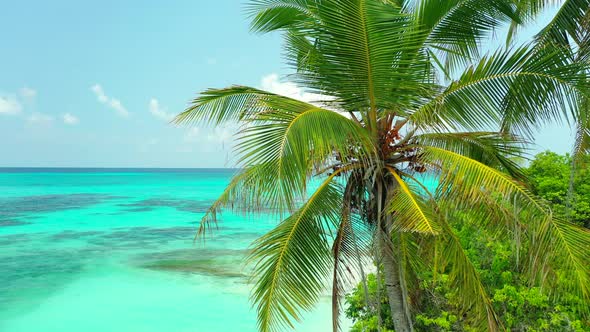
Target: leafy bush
[(549, 175)]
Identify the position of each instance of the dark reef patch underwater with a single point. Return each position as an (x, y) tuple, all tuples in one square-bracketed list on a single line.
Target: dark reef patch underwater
[(113, 251)]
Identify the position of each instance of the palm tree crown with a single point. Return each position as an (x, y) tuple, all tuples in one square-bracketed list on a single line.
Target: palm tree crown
[(404, 91)]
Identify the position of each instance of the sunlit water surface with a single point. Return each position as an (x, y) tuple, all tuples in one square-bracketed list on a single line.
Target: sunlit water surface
[(112, 250)]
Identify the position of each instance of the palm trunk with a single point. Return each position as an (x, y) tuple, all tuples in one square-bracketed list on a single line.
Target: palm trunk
[(393, 286)]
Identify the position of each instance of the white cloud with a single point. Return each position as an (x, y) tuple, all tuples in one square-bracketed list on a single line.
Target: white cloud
[(207, 138), (117, 106), (97, 89), (28, 94), (39, 118), (192, 135), (10, 105), (70, 119), (158, 111), (111, 102), (272, 84), (220, 135)]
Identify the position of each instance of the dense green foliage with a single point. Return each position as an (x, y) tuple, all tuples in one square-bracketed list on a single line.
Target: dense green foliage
[(519, 306), (550, 173)]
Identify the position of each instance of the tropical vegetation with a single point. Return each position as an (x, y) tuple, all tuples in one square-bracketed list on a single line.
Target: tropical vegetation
[(414, 130), (519, 306), (567, 190)]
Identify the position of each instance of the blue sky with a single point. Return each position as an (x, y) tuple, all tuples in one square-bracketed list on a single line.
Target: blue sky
[(93, 84)]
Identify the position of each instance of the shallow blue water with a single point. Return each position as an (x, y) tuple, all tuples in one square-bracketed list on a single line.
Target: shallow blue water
[(112, 250)]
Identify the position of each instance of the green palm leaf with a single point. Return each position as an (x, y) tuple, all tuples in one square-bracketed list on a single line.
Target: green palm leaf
[(565, 248), (410, 211), (249, 191), (270, 15), (284, 140), (456, 28), (294, 259), (534, 83), (218, 106), (295, 139), (360, 42), (464, 277), (462, 178), (582, 140), (351, 250), (490, 148), (564, 26)]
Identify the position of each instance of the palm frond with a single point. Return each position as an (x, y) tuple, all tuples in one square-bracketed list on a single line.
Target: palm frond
[(351, 250), (302, 132), (368, 49), (563, 28), (462, 178), (339, 276), (456, 28), (489, 211), (270, 15), (294, 259), (283, 141), (582, 139), (410, 212), (297, 138), (565, 248), (498, 150), (250, 191), (464, 278), (219, 106), (450, 256), (523, 88)]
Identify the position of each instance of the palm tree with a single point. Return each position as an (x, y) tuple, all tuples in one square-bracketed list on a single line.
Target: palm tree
[(395, 111)]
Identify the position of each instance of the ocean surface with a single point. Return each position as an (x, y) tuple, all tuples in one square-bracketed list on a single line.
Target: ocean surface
[(112, 250)]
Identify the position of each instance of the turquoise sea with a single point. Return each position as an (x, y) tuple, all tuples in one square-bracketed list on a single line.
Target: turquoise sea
[(112, 250)]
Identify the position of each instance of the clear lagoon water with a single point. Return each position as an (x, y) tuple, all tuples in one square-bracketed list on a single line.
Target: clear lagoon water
[(112, 250)]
